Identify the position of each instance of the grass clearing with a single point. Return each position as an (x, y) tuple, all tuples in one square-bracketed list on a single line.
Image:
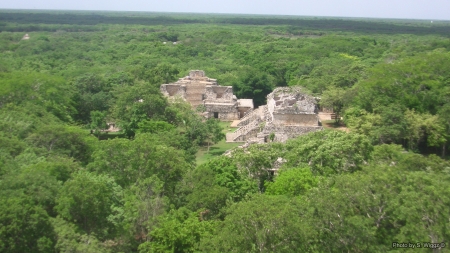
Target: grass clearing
[(219, 148)]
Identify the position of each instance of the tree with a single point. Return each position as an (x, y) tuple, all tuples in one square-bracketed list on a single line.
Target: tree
[(154, 127), (98, 122), (444, 115), (35, 182), (292, 182), (46, 91), (127, 161), (335, 98), (416, 82), (62, 140), (353, 212), (24, 226), (429, 222), (93, 202), (70, 239), (135, 104), (425, 127), (262, 224), (328, 152), (214, 132), (253, 84), (144, 202), (178, 231), (93, 94), (254, 162), (163, 73)]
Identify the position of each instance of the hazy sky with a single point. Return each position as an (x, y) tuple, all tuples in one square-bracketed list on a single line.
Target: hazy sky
[(414, 9)]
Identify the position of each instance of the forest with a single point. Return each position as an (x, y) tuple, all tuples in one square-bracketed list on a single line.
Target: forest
[(67, 186)]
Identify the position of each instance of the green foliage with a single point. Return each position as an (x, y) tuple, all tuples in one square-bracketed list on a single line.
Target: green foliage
[(35, 182), (127, 161), (135, 104), (98, 121), (336, 99), (262, 224), (272, 136), (63, 190), (61, 140), (292, 182), (154, 127), (25, 227), (93, 202), (329, 152), (143, 204), (44, 90), (178, 231), (93, 94), (213, 184), (70, 239), (213, 131), (254, 85), (415, 83)]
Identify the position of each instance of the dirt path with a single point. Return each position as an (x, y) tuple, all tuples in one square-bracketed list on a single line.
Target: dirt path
[(330, 125), (234, 123)]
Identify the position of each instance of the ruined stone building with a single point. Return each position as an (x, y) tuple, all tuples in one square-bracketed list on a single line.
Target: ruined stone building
[(289, 113), (218, 101)]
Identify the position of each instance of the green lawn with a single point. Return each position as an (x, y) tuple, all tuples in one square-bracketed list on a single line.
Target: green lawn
[(217, 149)]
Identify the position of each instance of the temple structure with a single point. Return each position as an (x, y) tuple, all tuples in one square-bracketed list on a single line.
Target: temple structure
[(200, 90), (289, 113)]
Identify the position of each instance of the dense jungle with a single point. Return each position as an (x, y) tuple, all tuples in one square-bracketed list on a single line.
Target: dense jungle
[(68, 186)]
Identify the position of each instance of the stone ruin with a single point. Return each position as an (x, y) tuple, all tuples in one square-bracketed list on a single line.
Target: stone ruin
[(289, 112), (218, 101)]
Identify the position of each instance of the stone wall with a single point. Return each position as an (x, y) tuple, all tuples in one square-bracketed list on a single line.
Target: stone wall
[(198, 89), (196, 73), (283, 133), (219, 93), (252, 115), (296, 119), (228, 116), (171, 90), (223, 92), (250, 134), (224, 116), (242, 111), (220, 107), (299, 107)]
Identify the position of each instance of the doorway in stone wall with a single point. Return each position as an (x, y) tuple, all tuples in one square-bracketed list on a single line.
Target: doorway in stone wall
[(216, 115)]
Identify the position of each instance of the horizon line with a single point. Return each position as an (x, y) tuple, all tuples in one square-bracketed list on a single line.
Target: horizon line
[(225, 13)]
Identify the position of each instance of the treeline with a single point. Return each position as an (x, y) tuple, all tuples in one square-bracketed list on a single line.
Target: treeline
[(65, 189), (365, 26)]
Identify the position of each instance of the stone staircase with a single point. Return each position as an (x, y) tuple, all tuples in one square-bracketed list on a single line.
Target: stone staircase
[(244, 132), (249, 116), (194, 99), (266, 114), (194, 94)]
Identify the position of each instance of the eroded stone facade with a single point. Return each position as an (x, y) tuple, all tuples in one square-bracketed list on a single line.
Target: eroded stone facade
[(218, 101), (289, 113)]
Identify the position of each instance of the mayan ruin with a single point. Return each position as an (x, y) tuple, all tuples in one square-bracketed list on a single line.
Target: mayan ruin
[(219, 101), (289, 112)]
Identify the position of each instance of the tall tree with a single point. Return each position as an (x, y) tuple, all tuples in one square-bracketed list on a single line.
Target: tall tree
[(93, 202)]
